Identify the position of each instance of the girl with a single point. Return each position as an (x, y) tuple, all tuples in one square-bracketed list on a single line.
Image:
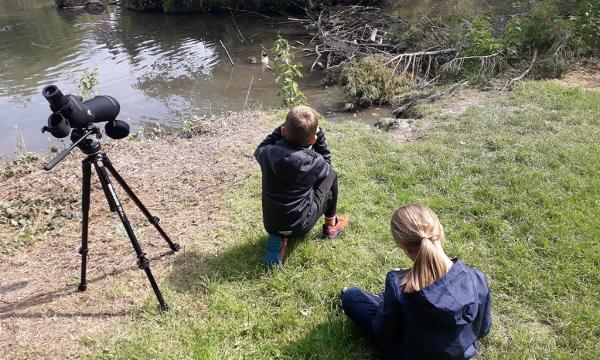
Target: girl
[(437, 309)]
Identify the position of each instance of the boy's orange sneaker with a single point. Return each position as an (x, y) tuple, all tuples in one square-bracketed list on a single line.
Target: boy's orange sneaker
[(331, 232)]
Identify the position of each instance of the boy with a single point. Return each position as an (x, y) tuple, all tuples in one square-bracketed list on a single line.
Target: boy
[(298, 182)]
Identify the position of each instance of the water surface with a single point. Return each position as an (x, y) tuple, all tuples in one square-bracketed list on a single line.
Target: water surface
[(161, 67)]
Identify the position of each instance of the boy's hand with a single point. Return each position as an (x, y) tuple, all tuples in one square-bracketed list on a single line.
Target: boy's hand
[(320, 146)]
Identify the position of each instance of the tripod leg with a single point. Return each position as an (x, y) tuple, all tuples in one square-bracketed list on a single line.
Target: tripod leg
[(154, 220), (111, 204), (143, 262), (85, 210)]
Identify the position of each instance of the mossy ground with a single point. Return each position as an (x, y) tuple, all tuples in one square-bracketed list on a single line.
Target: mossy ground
[(516, 184)]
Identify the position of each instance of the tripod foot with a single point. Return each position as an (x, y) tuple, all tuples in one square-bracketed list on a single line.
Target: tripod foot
[(164, 307), (175, 247), (82, 287)]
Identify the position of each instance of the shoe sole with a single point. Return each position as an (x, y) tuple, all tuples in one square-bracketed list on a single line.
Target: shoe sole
[(331, 237)]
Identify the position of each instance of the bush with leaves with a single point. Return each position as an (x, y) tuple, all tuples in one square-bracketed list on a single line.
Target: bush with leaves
[(287, 71), (540, 30), (370, 81), (586, 25), (478, 42), (546, 32)]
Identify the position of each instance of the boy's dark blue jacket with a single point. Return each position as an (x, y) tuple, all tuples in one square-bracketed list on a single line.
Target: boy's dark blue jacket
[(442, 321), (289, 175)]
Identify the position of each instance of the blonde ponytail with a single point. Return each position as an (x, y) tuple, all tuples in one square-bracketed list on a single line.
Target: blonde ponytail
[(415, 229)]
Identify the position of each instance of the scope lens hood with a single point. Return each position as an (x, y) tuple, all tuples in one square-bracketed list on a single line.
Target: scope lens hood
[(116, 129)]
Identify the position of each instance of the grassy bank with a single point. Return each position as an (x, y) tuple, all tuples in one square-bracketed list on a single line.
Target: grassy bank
[(516, 184)]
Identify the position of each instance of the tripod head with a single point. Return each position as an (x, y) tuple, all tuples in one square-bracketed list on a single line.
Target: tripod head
[(81, 138)]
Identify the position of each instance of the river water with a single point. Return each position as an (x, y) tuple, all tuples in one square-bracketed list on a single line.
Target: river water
[(161, 67)]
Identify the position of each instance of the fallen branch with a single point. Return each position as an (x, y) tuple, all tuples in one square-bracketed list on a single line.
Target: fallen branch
[(227, 52), (40, 45), (345, 33), (248, 12), (487, 64), (421, 53), (511, 82), (248, 93), (236, 26), (312, 68)]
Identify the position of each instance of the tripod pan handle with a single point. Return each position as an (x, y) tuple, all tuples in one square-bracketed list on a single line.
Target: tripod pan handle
[(61, 155)]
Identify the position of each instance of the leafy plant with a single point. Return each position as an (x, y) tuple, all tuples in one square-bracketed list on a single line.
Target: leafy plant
[(287, 71), (481, 50), (540, 30), (87, 82), (369, 81), (481, 38), (548, 33), (191, 126), (586, 25)]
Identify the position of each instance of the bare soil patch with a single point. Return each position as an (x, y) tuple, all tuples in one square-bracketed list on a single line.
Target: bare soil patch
[(42, 315), (414, 127), (467, 98), (585, 75)]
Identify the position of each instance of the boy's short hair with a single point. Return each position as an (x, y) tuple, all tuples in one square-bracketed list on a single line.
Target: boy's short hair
[(301, 125)]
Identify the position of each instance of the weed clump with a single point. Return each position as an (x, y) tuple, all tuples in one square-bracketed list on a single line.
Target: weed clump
[(371, 82)]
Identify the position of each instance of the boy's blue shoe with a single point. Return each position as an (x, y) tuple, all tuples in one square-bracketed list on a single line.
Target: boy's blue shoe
[(276, 246)]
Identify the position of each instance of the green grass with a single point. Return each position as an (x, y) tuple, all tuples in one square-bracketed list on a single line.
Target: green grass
[(517, 186)]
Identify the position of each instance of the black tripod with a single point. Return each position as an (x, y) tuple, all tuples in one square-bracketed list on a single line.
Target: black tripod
[(103, 167)]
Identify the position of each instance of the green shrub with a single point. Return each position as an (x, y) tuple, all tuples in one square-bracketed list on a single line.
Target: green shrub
[(287, 70), (370, 82), (586, 25), (548, 33), (481, 38), (541, 30), (480, 41)]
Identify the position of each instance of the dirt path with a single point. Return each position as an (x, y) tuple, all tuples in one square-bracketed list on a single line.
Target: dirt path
[(41, 313)]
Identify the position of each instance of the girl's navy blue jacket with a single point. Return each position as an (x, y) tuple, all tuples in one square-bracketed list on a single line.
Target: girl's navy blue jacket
[(442, 321)]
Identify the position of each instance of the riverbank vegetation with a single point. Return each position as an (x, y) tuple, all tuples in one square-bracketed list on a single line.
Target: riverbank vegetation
[(542, 42), (516, 186), (248, 5)]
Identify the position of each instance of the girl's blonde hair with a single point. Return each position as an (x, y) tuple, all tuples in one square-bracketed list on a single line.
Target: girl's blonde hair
[(415, 229)]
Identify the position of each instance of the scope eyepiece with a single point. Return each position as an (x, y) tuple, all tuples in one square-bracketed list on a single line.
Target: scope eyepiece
[(58, 126), (55, 97)]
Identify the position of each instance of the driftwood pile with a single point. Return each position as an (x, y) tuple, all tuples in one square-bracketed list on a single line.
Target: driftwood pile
[(342, 34), (346, 33)]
